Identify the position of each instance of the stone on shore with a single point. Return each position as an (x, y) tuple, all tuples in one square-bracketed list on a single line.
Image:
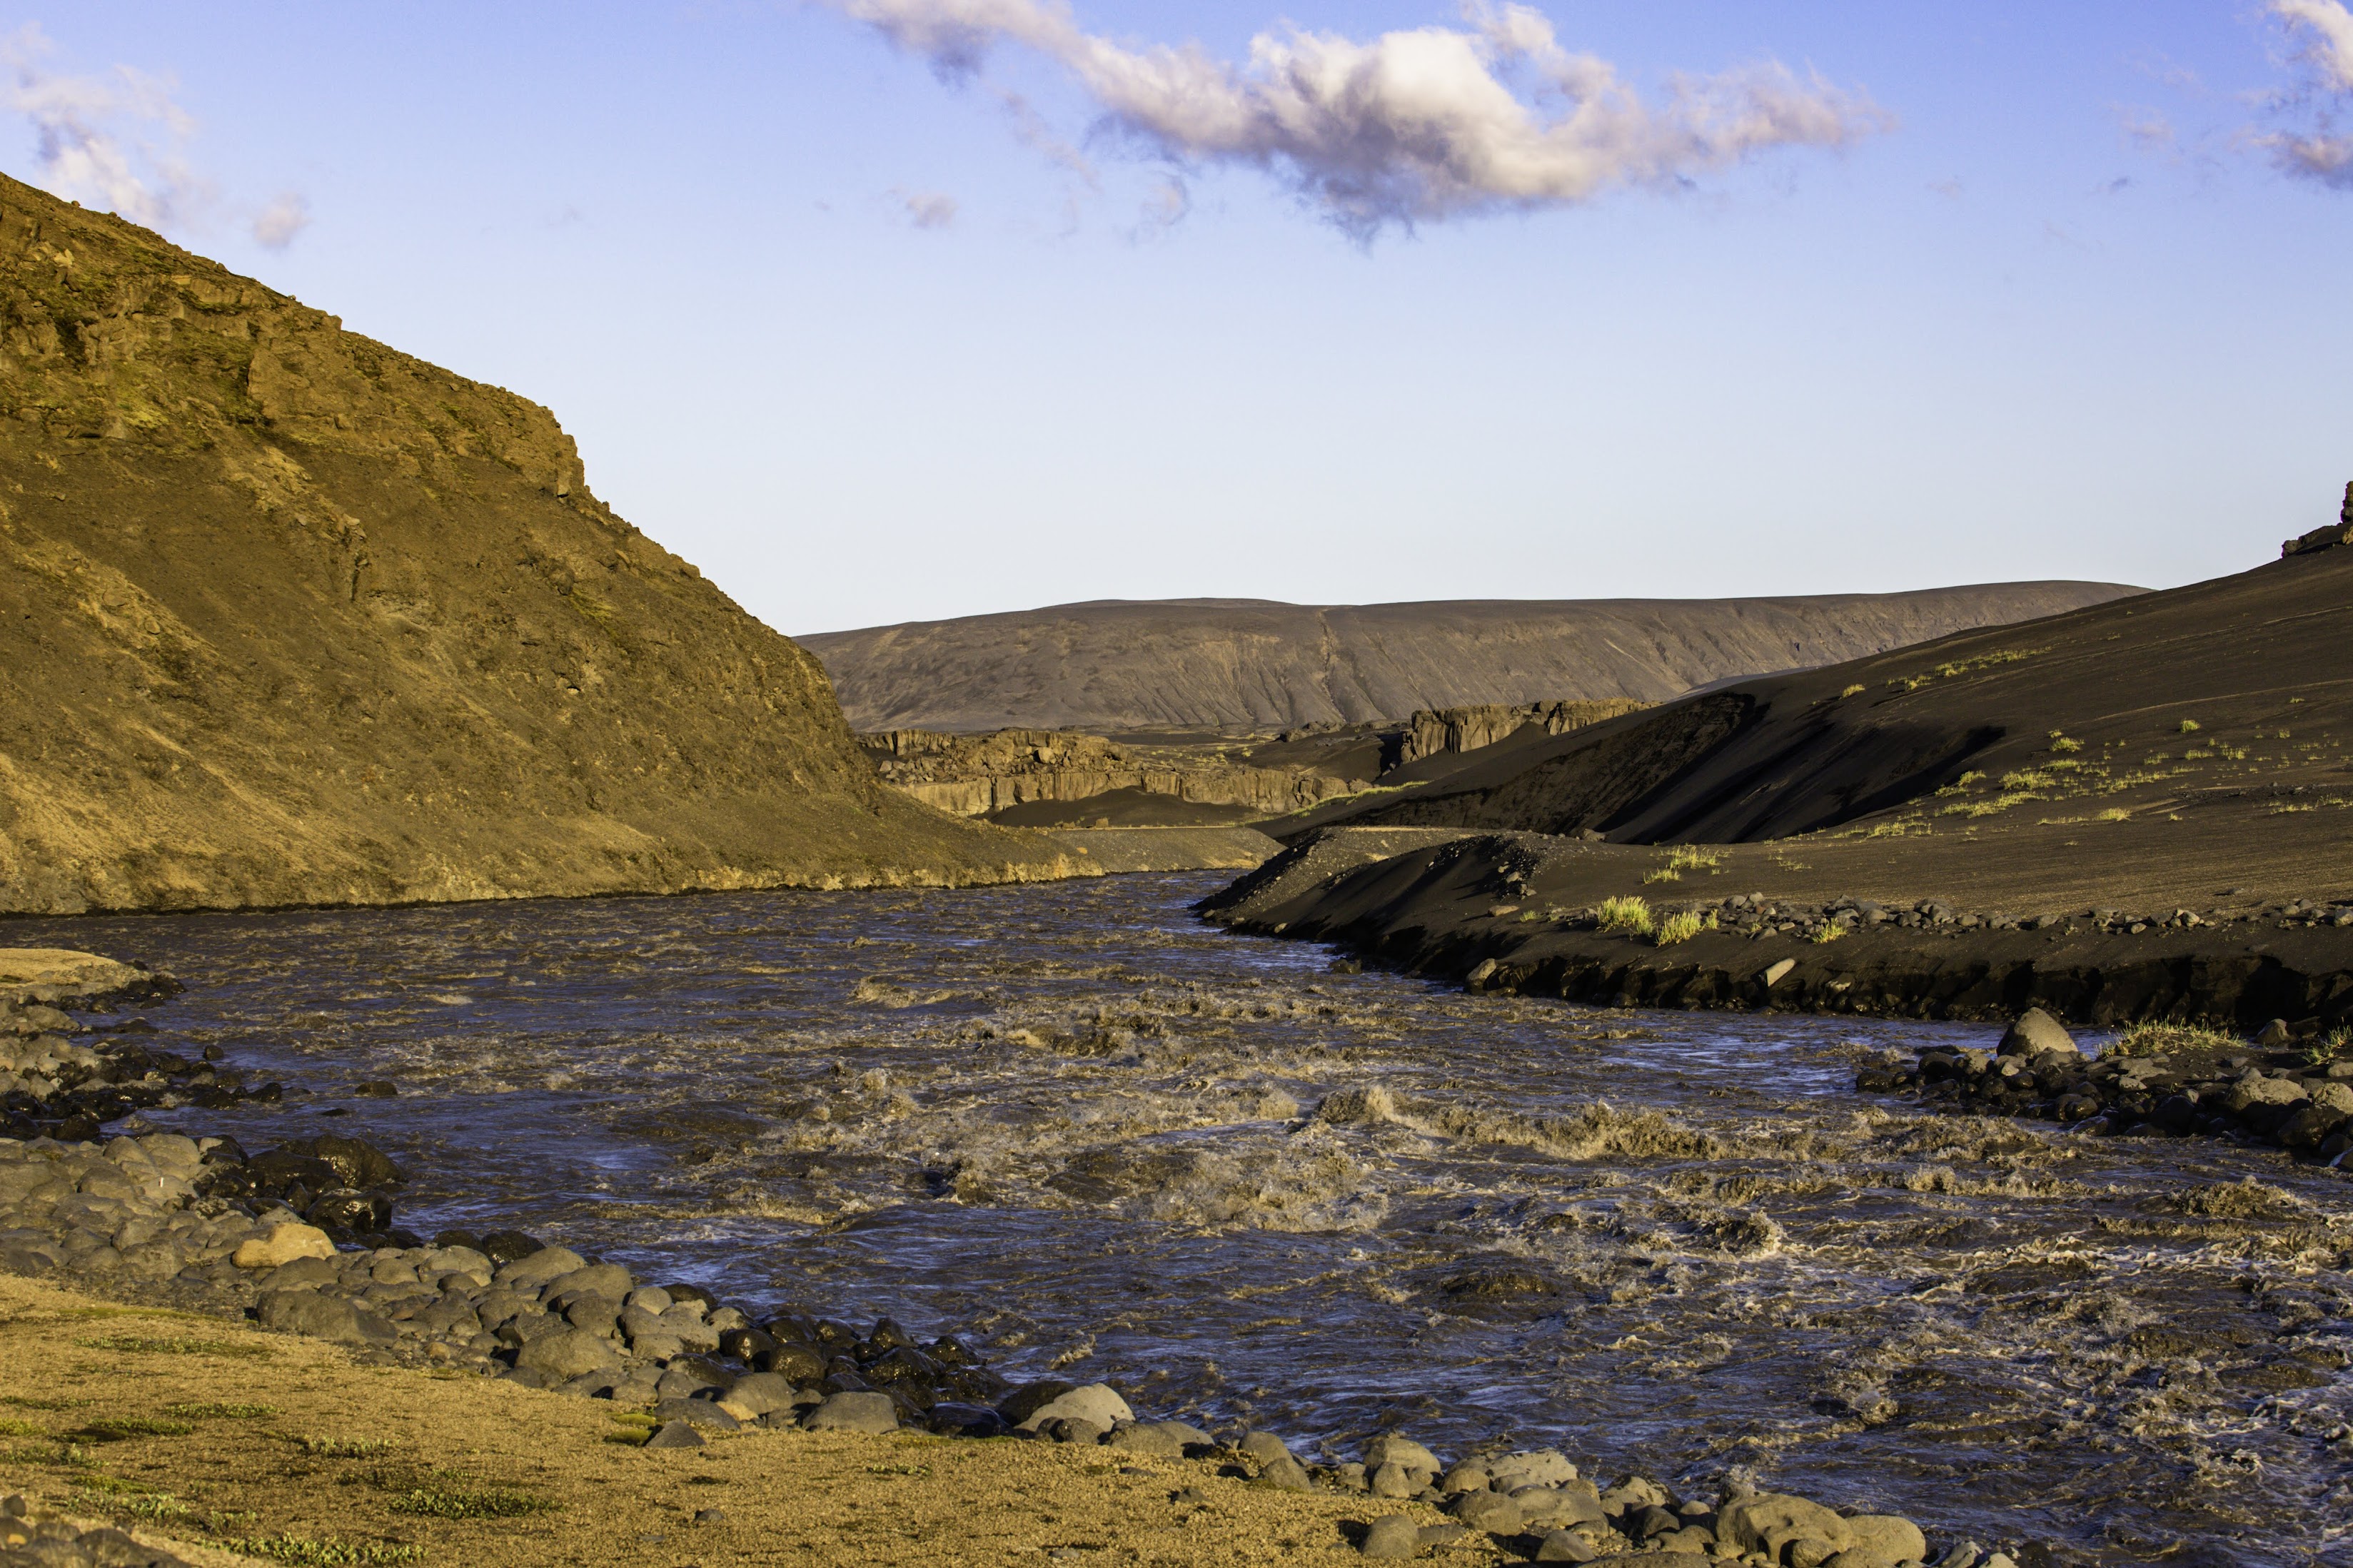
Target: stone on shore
[(1395, 1538), (869, 1412), (675, 1435), (568, 1353), (1097, 1404), (282, 1243), (2036, 1033), (320, 1317)]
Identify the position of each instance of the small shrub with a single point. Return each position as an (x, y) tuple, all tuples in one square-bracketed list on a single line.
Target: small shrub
[(209, 1412), (2059, 743), (2116, 814), (1828, 932), (1689, 857), (1682, 926), (2190, 727), (2027, 778), (1663, 874), (1629, 914), (18, 1429), (1854, 690)]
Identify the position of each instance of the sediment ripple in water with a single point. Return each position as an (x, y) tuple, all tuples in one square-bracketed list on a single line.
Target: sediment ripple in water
[(1075, 1120)]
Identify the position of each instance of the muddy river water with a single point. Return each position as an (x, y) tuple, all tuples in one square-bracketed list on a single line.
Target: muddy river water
[(1108, 1141)]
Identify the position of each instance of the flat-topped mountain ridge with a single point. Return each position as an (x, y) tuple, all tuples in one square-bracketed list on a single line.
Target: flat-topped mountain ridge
[(289, 618), (1240, 665)]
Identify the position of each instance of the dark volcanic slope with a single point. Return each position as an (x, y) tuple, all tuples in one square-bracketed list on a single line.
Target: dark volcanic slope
[(1243, 664), (2197, 701), (287, 616)]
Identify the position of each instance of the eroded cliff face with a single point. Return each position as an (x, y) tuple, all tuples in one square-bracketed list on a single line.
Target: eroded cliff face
[(288, 617)]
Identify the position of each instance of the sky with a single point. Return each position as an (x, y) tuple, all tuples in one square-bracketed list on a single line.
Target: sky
[(891, 310)]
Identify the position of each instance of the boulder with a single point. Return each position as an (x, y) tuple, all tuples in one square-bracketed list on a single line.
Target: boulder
[(282, 1243), (761, 1392), (1533, 1467), (1396, 1539), (1150, 1438), (2035, 1034), (1766, 1521), (1886, 1538), (869, 1412), (675, 1435), (1490, 1511), (546, 1263), (568, 1353), (1403, 1452), (321, 1317), (1097, 1403)]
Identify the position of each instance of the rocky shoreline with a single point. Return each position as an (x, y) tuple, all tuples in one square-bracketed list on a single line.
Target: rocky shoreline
[(1474, 910), (196, 1225)]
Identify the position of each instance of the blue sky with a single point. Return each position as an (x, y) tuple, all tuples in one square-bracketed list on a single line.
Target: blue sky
[(832, 320)]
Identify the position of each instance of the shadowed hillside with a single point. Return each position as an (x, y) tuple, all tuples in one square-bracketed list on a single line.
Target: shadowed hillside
[(1238, 665), (288, 617)]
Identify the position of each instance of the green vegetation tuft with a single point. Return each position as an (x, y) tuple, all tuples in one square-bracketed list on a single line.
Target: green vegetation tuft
[(19, 1429), (1682, 926), (133, 1344), (214, 1412), (341, 1448), (306, 1553), (1628, 914), (115, 1428), (1854, 690), (2190, 727), (468, 1502), (1827, 932), (2062, 742), (1663, 874), (2164, 1040)]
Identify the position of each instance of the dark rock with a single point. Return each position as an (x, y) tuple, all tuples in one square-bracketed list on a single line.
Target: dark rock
[(951, 1419), (320, 1317), (1031, 1397), (869, 1412), (675, 1435), (506, 1246), (1395, 1538)]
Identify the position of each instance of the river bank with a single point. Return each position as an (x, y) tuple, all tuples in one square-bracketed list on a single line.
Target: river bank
[(1619, 926)]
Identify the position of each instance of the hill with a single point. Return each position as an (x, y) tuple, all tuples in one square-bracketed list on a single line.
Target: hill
[(2138, 809), (288, 617), (1242, 665)]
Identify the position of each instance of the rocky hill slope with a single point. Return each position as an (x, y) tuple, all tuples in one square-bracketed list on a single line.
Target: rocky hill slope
[(1249, 664), (287, 616)]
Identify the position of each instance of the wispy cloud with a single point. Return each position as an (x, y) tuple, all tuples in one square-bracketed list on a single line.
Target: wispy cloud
[(111, 141), (282, 220), (1412, 126), (928, 209), (2323, 33), (119, 140)]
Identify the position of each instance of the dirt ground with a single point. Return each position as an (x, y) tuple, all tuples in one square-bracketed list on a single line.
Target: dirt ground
[(288, 1450)]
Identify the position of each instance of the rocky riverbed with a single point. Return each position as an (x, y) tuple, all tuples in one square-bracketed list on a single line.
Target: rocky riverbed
[(1113, 1155)]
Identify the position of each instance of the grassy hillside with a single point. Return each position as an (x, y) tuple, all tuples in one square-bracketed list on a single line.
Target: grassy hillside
[(287, 616)]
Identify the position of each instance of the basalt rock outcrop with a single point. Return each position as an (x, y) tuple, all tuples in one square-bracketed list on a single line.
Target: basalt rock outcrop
[(288, 617)]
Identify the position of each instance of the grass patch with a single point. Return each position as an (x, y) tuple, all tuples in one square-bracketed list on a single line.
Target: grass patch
[(470, 1502), (2063, 743), (152, 1505), (304, 1551), (21, 1429), (2332, 1046), (2028, 778), (209, 1412), (1854, 690), (28, 1402), (116, 1428), (1826, 933), (2115, 814), (2164, 1040), (1683, 926), (1691, 858), (2189, 726), (135, 1344), (1629, 914), (342, 1447), (1663, 874)]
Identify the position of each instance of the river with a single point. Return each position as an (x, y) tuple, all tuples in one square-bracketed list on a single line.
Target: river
[(1105, 1141)]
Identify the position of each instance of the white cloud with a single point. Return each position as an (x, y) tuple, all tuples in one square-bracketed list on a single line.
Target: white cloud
[(282, 220), (2326, 29), (112, 142), (929, 209), (1411, 126), (2323, 30)]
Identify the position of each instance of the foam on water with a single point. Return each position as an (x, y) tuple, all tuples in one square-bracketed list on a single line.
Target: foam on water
[(1111, 1141)]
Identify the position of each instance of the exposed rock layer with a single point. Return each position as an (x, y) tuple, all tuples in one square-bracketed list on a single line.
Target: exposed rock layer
[(287, 616), (1244, 664)]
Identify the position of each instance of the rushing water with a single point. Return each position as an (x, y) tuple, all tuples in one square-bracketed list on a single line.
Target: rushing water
[(1079, 1126)]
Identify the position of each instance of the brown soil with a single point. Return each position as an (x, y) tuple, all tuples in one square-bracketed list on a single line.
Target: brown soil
[(343, 1446), (1237, 665), (287, 616)]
